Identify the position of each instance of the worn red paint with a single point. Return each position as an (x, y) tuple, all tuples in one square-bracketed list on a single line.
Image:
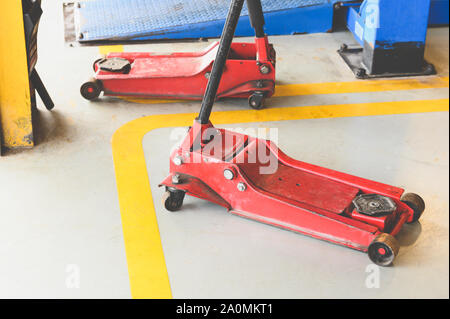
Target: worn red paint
[(185, 75)]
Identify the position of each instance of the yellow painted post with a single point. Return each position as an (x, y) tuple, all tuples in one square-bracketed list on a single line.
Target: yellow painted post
[(15, 103)]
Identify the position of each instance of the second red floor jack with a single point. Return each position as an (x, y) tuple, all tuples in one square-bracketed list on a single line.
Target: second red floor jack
[(249, 74), (304, 198)]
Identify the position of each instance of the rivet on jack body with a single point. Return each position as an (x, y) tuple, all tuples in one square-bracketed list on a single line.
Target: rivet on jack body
[(228, 174), (176, 179), (178, 160), (242, 187)]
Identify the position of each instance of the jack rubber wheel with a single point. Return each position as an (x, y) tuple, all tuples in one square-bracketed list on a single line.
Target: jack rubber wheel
[(256, 100), (416, 203), (173, 200), (383, 250), (91, 90)]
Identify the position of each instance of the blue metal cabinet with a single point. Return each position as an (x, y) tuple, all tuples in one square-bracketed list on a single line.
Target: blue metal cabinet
[(392, 35)]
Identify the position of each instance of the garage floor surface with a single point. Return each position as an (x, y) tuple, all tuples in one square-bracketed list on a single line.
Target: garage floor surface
[(61, 229)]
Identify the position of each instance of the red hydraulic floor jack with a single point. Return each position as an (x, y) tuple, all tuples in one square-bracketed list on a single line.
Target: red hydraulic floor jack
[(249, 73), (325, 204)]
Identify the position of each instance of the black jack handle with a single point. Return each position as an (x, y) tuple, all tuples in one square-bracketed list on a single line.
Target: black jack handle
[(257, 21)]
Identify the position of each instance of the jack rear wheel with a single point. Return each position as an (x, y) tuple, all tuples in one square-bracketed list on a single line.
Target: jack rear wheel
[(256, 100), (91, 90), (416, 203), (383, 250), (173, 200)]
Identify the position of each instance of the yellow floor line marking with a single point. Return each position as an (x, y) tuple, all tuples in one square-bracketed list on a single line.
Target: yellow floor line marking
[(105, 49), (152, 101), (145, 257), (362, 86)]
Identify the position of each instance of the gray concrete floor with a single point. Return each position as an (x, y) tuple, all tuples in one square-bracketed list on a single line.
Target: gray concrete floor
[(60, 211), (212, 254)]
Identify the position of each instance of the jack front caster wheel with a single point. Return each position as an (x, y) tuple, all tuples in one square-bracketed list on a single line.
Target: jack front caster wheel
[(256, 100), (416, 203), (91, 90), (173, 200), (383, 250)]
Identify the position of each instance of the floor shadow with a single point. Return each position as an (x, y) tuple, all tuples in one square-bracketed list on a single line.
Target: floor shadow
[(49, 127), (409, 234)]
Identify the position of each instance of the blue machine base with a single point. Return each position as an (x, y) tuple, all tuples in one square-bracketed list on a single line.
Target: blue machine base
[(128, 20), (134, 20), (439, 12)]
